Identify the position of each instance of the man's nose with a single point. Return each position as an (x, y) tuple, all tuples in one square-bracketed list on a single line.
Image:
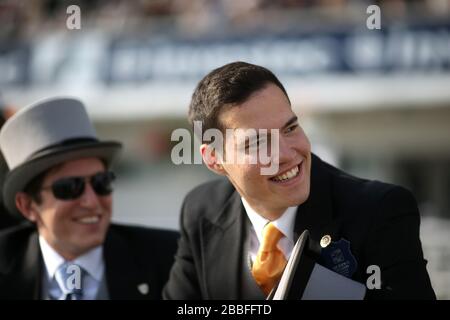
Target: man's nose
[(286, 151), (89, 198)]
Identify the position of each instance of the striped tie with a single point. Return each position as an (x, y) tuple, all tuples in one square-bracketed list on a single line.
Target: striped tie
[(69, 277)]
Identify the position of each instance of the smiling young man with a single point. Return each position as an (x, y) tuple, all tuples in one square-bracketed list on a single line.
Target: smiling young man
[(60, 181), (237, 233)]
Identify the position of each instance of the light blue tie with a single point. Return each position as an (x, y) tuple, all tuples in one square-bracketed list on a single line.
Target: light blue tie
[(69, 277)]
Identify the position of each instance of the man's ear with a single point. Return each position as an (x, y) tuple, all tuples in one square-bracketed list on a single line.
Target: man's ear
[(212, 159), (26, 206)]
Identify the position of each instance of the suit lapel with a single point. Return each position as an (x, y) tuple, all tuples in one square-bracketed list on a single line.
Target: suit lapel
[(26, 279), (222, 245), (316, 214), (122, 274)]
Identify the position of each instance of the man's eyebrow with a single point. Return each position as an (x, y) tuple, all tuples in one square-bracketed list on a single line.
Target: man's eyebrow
[(291, 121)]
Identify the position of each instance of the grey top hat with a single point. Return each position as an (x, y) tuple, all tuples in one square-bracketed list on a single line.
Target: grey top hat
[(46, 134)]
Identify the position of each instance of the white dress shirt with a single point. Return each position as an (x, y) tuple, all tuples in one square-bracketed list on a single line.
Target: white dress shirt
[(285, 223), (92, 263)]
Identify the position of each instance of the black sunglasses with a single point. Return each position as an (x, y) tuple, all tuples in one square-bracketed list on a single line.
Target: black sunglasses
[(71, 188)]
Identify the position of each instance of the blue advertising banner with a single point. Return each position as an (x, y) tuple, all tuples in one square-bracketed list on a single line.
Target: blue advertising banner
[(136, 59)]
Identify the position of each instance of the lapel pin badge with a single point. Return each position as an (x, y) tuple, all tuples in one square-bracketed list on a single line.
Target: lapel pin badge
[(143, 288), (325, 241)]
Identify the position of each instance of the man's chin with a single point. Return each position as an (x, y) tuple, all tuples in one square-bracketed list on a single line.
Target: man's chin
[(297, 199), (88, 241), (85, 247)]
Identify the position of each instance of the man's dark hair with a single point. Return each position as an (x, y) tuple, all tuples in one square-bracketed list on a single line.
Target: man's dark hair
[(33, 188), (227, 86)]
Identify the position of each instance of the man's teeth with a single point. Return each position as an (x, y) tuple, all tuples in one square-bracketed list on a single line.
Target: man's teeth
[(287, 175), (89, 220)]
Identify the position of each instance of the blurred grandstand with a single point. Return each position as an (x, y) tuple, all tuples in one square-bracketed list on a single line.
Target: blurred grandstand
[(374, 102)]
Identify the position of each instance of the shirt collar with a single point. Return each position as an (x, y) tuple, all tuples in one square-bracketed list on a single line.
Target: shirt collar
[(91, 261), (285, 223)]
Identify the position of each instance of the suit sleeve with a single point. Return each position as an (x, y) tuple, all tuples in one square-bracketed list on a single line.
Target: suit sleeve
[(183, 281), (394, 245)]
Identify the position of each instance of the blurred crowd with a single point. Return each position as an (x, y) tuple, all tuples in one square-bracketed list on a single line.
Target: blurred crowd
[(196, 17)]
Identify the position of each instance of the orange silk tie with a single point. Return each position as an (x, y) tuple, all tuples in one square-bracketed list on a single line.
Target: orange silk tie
[(270, 261)]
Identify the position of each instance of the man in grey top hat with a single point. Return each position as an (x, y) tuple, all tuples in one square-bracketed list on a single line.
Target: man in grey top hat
[(60, 181)]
